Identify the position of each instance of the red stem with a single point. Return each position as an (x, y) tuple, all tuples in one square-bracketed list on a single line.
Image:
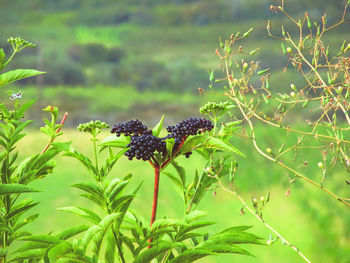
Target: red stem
[(155, 197), (58, 130), (178, 150)]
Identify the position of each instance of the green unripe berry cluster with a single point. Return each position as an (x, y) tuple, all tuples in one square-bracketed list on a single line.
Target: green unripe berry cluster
[(214, 107), (18, 41), (92, 126)]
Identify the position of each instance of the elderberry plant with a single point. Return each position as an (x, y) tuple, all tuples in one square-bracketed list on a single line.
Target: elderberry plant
[(16, 176), (119, 230)]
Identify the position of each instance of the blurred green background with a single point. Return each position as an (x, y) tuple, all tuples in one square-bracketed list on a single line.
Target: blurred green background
[(117, 60)]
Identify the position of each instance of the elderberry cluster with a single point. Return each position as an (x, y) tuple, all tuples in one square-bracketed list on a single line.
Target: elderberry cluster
[(191, 126), (185, 128), (144, 146), (133, 127)]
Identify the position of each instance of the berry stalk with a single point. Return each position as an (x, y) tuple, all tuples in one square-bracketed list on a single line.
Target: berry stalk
[(155, 196)]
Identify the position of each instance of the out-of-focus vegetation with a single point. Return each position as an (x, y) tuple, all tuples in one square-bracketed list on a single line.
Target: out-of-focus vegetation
[(141, 46)]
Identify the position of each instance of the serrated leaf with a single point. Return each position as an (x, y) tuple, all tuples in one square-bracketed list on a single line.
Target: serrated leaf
[(110, 248), (191, 255), (93, 231), (6, 189), (46, 239), (31, 254), (221, 144), (158, 128), (14, 75), (70, 232), (223, 248), (162, 223), (91, 188), (20, 208), (192, 143), (194, 215), (59, 250), (153, 252), (83, 159), (180, 171), (113, 141), (89, 215), (175, 180)]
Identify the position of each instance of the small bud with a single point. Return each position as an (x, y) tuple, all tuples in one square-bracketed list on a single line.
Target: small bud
[(289, 50), (262, 199), (292, 86), (292, 94), (269, 150), (268, 242), (288, 192), (320, 165), (209, 170)]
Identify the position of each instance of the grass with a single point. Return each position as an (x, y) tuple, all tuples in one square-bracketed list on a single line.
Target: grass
[(307, 218)]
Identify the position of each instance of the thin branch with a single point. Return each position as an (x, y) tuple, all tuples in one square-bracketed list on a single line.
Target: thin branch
[(58, 130)]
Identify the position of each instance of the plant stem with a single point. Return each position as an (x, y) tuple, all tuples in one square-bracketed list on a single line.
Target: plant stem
[(155, 194), (262, 220), (96, 160), (57, 131), (155, 197)]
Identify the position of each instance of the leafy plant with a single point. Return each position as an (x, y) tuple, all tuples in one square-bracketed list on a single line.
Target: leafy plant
[(16, 176), (121, 231)]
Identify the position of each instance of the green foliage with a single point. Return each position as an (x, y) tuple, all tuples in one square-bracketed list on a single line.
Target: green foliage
[(15, 176)]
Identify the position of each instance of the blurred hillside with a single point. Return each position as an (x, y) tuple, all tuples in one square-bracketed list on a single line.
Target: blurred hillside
[(141, 46)]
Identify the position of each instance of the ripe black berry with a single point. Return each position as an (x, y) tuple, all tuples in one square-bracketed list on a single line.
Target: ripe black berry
[(144, 146), (185, 128), (133, 127)]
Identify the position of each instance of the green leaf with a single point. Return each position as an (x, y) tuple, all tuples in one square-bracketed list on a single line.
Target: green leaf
[(158, 128), (2, 58), (117, 190), (24, 107), (113, 141), (6, 228), (59, 250), (191, 255), (224, 248), (70, 232), (162, 223), (6, 189), (20, 208), (110, 247), (83, 159), (180, 171), (92, 189), (85, 213), (153, 252), (197, 225), (93, 232), (14, 75), (192, 143), (175, 180), (194, 215), (42, 239), (221, 144), (31, 254)]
